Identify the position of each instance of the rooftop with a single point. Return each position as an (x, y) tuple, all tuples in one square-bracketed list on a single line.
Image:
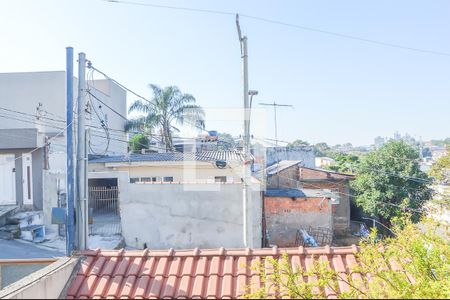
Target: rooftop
[(280, 166), (297, 193), (173, 156), (196, 273)]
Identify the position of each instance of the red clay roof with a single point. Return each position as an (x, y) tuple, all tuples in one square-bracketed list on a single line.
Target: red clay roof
[(220, 273)]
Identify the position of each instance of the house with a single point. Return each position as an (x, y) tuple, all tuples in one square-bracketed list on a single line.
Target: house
[(324, 161), (339, 185), (221, 273), (289, 210), (33, 135), (182, 167), (288, 175), (177, 200)]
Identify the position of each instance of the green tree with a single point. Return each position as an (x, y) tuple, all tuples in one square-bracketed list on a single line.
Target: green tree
[(168, 106), (440, 170), (298, 142), (389, 181), (344, 163), (225, 141), (321, 149), (138, 142), (420, 256)]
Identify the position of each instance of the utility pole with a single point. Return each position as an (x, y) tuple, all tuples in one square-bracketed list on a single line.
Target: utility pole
[(82, 197), (246, 198), (70, 225)]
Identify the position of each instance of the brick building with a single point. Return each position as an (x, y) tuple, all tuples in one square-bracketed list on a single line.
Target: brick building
[(299, 197), (338, 184), (288, 210)]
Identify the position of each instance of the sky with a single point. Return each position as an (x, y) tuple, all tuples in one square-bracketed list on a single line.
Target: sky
[(342, 90)]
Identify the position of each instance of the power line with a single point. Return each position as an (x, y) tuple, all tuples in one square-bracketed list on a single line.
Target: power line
[(29, 121), (112, 109), (119, 84), (47, 143), (296, 26), (31, 115), (352, 195)]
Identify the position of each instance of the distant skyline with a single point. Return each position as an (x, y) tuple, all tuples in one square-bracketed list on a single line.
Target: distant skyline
[(343, 90)]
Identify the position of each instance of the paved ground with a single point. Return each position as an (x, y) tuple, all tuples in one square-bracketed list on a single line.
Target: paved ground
[(13, 249)]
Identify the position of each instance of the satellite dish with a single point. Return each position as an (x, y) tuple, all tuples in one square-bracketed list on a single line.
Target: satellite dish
[(221, 164)]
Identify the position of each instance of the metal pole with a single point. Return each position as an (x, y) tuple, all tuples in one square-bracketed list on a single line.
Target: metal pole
[(81, 155), (70, 225), (246, 198)]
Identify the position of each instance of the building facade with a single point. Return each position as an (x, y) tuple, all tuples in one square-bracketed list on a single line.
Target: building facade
[(33, 133)]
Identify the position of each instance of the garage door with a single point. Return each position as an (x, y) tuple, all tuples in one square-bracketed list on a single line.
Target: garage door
[(7, 179)]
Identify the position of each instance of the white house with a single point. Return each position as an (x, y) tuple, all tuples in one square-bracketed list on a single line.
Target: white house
[(176, 200), (33, 111)]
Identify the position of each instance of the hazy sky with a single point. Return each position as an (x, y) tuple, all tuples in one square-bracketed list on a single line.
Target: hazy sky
[(343, 90)]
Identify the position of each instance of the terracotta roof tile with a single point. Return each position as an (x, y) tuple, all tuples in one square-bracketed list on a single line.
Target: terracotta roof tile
[(197, 273)]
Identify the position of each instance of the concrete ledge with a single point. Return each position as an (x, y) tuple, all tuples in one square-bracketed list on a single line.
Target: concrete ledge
[(47, 283)]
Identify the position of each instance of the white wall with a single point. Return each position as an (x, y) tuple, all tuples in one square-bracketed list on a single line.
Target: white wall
[(23, 91), (46, 283), (303, 153), (169, 216), (183, 216)]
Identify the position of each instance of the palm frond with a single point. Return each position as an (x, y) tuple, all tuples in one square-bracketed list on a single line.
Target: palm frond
[(139, 106), (137, 124)]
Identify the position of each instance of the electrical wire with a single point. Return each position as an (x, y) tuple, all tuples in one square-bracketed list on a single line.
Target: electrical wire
[(352, 195), (103, 121), (296, 26), (46, 144)]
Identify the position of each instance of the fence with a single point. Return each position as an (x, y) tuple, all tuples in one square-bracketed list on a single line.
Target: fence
[(104, 205), (104, 199)]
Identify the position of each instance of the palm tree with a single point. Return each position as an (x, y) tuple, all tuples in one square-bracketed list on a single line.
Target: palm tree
[(169, 106)]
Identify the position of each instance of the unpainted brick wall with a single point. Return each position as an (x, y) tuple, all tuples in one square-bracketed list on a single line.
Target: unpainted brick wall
[(284, 216)]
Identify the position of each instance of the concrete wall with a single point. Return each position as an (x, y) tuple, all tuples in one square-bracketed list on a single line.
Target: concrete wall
[(183, 215), (284, 216), (168, 216), (305, 154), (10, 273), (37, 166), (47, 283)]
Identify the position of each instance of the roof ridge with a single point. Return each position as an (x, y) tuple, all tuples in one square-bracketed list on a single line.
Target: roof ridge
[(326, 250)]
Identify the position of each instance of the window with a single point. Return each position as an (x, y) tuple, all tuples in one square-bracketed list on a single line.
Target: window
[(150, 179), (168, 179), (222, 179), (134, 179)]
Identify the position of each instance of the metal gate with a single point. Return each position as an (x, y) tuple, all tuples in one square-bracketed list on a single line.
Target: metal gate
[(104, 199), (104, 206)]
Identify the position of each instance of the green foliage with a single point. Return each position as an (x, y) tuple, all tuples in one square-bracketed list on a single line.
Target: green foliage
[(169, 106), (413, 264), (138, 142), (344, 163), (389, 181), (298, 143), (444, 142), (321, 149), (225, 141), (441, 169)]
